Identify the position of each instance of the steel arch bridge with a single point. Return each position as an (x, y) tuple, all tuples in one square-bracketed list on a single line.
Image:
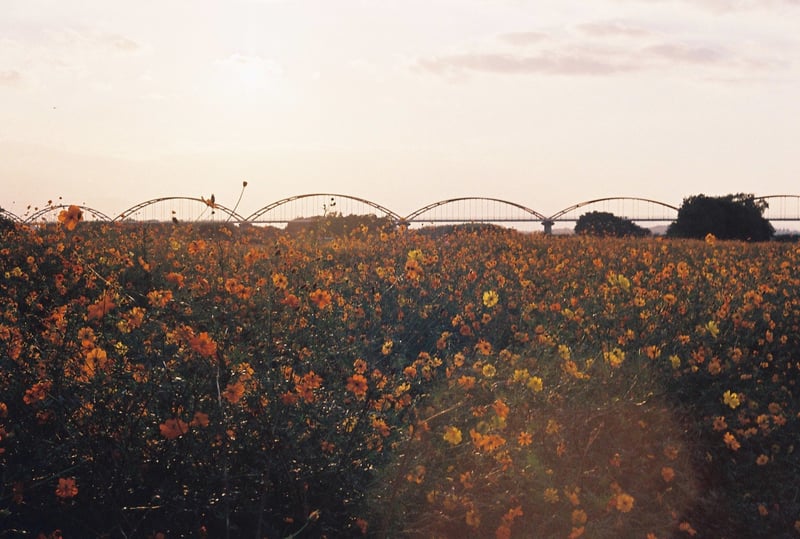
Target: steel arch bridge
[(625, 204), (5, 214), (310, 206), (781, 207), (196, 208), (40, 215), (474, 210)]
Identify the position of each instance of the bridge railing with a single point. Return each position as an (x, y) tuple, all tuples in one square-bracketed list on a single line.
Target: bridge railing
[(781, 208)]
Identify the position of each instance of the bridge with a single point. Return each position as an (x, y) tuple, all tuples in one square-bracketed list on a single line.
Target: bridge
[(780, 209)]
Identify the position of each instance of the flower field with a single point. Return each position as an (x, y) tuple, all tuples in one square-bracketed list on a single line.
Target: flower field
[(192, 380)]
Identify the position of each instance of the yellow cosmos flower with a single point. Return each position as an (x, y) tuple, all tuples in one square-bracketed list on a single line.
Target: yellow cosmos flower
[(279, 280), (452, 435), (489, 370), (490, 298), (535, 383), (712, 328), (551, 495), (731, 399), (615, 357)]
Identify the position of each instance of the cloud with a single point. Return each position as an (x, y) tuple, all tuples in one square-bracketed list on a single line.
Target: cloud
[(682, 53), (121, 43), (613, 29), (93, 40), (523, 38), (10, 77), (607, 48), (551, 63), (250, 63), (727, 6)]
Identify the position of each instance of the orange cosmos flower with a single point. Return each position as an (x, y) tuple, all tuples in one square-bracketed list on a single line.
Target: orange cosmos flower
[(524, 439), (306, 385), (466, 382), (731, 441), (99, 308), (624, 502), (667, 473), (413, 269), (37, 392), (210, 202), (175, 278), (233, 392), (203, 344), (357, 384), (579, 516), (360, 366), (66, 488), (71, 217), (290, 300), (417, 475), (196, 246), (320, 298), (173, 428), (500, 408), (159, 298), (483, 347), (200, 420)]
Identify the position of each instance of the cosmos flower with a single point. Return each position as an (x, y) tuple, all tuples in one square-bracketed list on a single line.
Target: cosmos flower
[(452, 435), (731, 399), (357, 384), (66, 488), (173, 428), (624, 502), (71, 217), (320, 298)]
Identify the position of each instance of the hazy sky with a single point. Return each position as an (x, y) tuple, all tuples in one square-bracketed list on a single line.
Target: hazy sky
[(543, 102)]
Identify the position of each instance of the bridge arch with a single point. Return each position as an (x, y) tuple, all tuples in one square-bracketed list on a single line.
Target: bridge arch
[(41, 214), (198, 207), (632, 202), (781, 207), (492, 210), (11, 216), (314, 203)]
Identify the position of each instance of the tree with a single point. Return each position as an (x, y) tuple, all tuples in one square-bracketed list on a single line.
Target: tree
[(738, 216), (600, 223)]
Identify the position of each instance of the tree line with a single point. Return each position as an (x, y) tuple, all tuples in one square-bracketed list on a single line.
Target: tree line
[(734, 217)]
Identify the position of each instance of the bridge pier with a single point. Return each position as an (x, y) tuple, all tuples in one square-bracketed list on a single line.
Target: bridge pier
[(548, 226)]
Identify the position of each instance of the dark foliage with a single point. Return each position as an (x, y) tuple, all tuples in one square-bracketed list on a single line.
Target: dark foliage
[(739, 217), (599, 223)]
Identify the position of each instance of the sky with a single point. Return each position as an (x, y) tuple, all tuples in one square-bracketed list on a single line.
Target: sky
[(545, 103)]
